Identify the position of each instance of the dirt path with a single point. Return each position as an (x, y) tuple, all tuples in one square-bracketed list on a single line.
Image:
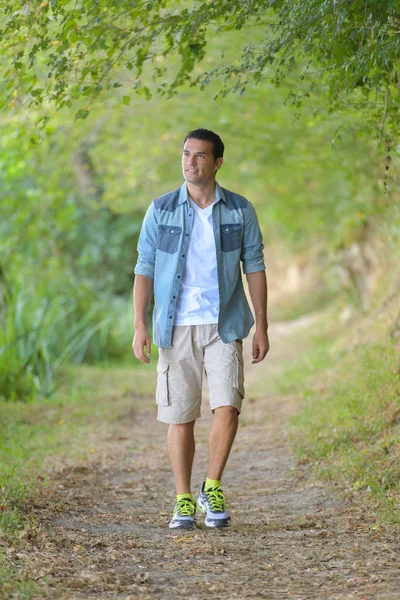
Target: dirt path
[(105, 531)]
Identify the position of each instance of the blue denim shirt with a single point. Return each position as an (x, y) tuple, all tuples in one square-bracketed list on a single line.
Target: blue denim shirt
[(163, 245)]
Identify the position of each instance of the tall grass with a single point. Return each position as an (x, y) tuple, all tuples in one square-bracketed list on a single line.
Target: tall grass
[(38, 335)]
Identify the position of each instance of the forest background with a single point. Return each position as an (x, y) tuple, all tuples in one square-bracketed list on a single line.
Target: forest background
[(96, 100)]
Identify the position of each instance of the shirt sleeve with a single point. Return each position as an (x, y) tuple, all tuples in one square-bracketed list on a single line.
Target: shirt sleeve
[(252, 255), (147, 244)]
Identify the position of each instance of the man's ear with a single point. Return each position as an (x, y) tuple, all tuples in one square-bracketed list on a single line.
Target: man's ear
[(218, 163)]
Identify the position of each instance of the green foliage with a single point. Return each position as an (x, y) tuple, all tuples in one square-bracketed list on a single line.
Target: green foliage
[(69, 54), (37, 337), (60, 273), (307, 187), (72, 204), (74, 183)]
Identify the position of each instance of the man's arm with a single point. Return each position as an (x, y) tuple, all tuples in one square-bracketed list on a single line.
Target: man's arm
[(142, 292), (254, 268), (143, 286), (257, 283)]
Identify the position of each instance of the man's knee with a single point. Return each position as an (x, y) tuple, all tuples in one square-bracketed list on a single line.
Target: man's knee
[(182, 427), (226, 412)]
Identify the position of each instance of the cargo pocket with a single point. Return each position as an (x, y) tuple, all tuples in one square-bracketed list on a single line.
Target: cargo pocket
[(162, 395), (239, 373)]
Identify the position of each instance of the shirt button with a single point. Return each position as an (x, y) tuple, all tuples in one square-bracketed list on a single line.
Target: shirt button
[(179, 276), (187, 234), (183, 256), (170, 317), (173, 296)]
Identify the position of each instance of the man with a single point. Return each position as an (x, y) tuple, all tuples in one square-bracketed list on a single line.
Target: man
[(190, 247)]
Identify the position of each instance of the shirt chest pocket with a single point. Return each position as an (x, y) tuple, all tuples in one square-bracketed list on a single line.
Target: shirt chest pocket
[(231, 236), (168, 237)]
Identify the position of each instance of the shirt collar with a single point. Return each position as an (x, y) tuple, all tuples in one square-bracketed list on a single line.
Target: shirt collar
[(219, 193)]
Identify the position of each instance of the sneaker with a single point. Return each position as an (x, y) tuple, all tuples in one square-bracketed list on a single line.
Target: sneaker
[(212, 503), (184, 516)]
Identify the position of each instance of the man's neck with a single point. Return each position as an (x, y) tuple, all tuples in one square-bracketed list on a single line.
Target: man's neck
[(203, 195)]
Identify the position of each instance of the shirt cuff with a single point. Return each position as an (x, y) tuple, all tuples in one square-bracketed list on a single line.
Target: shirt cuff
[(146, 269), (253, 268)]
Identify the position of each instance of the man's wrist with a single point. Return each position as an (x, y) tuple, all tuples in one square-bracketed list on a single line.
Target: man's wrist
[(140, 326), (262, 326)]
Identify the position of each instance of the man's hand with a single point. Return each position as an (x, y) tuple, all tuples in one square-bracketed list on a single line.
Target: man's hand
[(142, 340), (260, 345)]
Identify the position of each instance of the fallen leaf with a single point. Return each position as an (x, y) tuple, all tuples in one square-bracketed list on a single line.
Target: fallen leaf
[(143, 578)]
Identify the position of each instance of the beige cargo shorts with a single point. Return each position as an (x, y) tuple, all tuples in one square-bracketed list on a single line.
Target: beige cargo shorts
[(197, 349)]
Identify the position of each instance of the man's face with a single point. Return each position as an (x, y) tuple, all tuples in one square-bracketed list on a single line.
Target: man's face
[(198, 163)]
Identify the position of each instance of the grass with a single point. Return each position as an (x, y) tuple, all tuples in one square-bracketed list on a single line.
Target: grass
[(300, 304), (14, 585), (347, 382), (349, 427), (39, 335), (34, 432), (343, 371)]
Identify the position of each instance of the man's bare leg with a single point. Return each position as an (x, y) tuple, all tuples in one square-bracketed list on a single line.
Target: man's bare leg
[(222, 433), (181, 448)]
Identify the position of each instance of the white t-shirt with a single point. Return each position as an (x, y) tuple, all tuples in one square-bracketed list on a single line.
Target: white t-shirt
[(198, 299)]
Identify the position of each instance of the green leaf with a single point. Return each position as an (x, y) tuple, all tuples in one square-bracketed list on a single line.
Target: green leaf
[(82, 114)]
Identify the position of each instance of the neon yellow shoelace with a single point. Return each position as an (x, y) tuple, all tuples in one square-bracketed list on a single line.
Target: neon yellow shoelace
[(216, 498), (185, 508)]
